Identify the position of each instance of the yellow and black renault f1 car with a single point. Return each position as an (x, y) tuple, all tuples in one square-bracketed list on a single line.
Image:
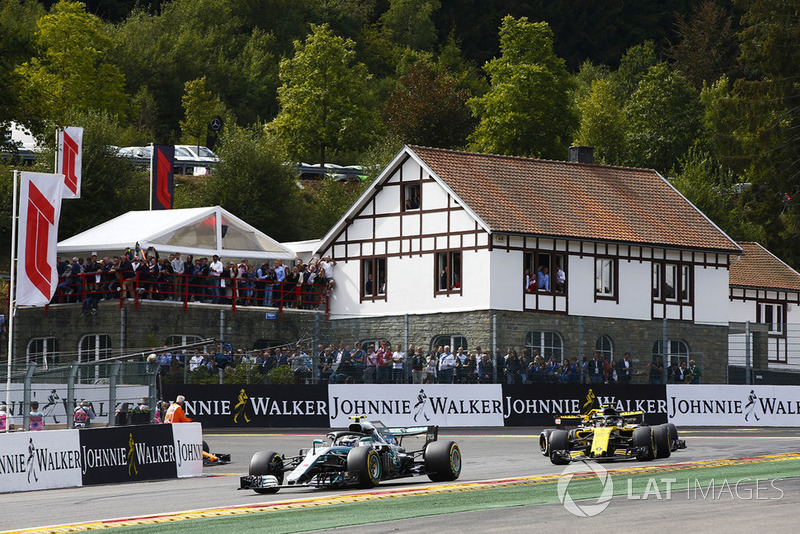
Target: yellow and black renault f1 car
[(360, 456), (607, 434)]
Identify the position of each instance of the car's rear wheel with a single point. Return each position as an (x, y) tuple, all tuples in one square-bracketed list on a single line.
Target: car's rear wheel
[(544, 441), (643, 440), (443, 461), (559, 447), (661, 439), (267, 463), (365, 464)]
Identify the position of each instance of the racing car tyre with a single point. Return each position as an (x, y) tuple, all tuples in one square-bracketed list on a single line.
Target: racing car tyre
[(365, 464), (643, 438), (206, 448), (673, 432), (558, 444), (544, 441), (661, 438), (267, 463), (443, 461)]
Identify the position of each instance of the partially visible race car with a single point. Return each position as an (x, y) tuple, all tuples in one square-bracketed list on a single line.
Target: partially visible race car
[(607, 434), (214, 458), (361, 456)]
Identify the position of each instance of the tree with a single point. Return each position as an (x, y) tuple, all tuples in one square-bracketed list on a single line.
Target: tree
[(323, 97), (603, 124), (770, 114), (407, 23), (201, 108), (663, 117), (632, 68), (707, 46), (253, 182), (427, 109), (71, 72), (528, 110)]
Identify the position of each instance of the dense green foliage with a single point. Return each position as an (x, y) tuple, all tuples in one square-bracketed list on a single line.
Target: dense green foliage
[(704, 91)]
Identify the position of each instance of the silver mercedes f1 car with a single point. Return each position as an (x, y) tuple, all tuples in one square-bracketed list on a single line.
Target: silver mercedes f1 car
[(361, 456)]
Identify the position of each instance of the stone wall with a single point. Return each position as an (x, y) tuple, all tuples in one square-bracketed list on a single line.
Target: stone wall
[(133, 330)]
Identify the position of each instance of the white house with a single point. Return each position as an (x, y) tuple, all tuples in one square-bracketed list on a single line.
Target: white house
[(443, 231), (764, 290)]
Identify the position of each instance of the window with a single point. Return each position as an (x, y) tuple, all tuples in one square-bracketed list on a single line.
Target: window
[(772, 315), (672, 282), (42, 351), (373, 279), (450, 340), (605, 278), (678, 352), (448, 272), (94, 347), (411, 197), (177, 340), (544, 272), (605, 347), (547, 343)]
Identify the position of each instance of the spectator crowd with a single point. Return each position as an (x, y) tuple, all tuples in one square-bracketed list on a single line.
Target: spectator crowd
[(382, 363), (143, 274)]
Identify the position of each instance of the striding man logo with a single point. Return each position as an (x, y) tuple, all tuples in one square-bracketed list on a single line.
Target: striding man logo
[(240, 408)]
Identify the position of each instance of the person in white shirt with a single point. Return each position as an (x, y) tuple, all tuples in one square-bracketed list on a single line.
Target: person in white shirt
[(447, 364), (215, 271), (327, 265), (177, 276), (398, 359)]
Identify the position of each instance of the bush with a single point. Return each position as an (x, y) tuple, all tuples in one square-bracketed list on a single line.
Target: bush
[(281, 375)]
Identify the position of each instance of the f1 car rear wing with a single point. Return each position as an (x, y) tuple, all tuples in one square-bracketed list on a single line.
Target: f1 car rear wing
[(431, 433)]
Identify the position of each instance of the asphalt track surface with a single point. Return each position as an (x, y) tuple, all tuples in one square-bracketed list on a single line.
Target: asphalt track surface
[(488, 454)]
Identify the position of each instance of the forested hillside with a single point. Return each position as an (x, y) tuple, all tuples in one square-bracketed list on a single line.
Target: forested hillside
[(707, 92)]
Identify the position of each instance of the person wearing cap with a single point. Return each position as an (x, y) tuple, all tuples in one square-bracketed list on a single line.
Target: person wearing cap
[(176, 413), (83, 414)]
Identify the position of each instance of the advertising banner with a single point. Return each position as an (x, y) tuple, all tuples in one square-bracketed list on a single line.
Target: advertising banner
[(537, 404), (52, 400), (255, 405), (127, 454), (412, 405), (188, 439), (733, 405), (39, 460)]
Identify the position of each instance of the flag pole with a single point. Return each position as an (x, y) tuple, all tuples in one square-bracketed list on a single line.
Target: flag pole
[(152, 157), (11, 300)]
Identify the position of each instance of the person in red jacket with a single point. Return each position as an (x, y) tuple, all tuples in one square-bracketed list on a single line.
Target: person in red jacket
[(176, 413)]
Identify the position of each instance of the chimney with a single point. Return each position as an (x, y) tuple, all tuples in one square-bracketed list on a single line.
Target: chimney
[(581, 154)]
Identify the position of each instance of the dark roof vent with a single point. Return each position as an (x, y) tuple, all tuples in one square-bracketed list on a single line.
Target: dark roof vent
[(581, 154)]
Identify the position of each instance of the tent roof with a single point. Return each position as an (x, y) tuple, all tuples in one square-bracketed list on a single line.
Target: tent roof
[(195, 231)]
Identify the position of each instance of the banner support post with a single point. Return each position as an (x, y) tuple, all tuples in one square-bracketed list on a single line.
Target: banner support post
[(11, 301)]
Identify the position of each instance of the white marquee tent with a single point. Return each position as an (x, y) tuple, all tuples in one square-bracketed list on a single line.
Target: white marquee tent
[(201, 232)]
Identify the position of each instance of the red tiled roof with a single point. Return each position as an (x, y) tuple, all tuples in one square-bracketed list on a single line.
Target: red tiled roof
[(574, 200), (758, 267)]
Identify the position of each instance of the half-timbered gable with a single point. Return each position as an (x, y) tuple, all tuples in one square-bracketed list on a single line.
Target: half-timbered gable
[(764, 290), (442, 230)]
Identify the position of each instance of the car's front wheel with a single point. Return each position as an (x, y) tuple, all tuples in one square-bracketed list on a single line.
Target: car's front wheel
[(365, 464), (559, 447), (645, 444), (267, 463), (443, 461), (544, 441), (661, 438)]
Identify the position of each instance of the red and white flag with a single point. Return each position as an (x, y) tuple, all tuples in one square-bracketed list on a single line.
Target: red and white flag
[(69, 159), (39, 211)]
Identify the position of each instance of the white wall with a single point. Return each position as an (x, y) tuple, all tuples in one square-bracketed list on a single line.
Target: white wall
[(634, 290), (711, 295)]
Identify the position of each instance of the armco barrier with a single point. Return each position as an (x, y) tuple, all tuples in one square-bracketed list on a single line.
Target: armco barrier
[(733, 405), (69, 458)]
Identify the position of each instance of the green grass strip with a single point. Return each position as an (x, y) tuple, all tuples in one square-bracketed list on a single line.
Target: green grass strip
[(695, 483)]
